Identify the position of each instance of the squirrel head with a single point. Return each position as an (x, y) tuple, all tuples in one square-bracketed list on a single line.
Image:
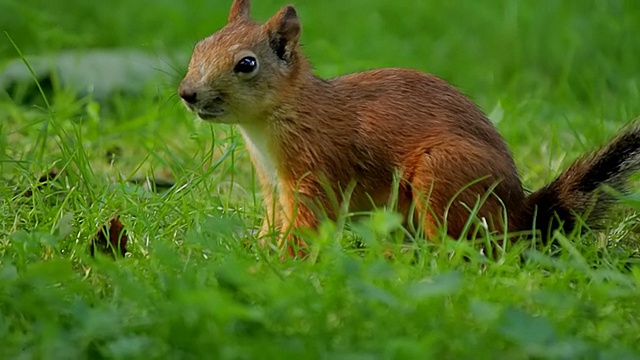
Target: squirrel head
[(234, 75)]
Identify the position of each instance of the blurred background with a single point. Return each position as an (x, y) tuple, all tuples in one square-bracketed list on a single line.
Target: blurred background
[(538, 68), (542, 45)]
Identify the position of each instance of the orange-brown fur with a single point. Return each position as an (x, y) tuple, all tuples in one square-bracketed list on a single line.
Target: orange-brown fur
[(305, 133)]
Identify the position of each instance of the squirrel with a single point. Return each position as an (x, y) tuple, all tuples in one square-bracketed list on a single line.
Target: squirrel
[(395, 133)]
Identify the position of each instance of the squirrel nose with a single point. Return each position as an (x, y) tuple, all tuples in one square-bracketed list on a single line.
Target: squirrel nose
[(188, 95)]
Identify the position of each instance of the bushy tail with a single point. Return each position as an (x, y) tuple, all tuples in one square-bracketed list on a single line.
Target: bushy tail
[(578, 190)]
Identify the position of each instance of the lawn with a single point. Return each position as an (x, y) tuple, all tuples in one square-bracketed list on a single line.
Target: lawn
[(105, 136)]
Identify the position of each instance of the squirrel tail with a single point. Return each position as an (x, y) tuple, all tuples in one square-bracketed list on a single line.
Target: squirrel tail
[(578, 190)]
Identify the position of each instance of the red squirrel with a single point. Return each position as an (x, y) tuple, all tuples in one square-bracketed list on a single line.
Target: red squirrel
[(394, 133)]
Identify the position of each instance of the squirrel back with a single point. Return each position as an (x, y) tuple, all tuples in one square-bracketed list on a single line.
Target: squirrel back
[(317, 143)]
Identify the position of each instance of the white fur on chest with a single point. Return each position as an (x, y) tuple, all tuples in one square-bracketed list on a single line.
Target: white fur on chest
[(257, 140)]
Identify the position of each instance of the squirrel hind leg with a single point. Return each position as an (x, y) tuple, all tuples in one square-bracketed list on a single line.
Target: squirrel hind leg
[(449, 191), (425, 220)]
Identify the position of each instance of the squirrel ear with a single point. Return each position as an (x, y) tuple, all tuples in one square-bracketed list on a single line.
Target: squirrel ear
[(284, 32), (239, 10)]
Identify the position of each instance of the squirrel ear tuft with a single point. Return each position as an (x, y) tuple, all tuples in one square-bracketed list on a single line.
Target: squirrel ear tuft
[(284, 32), (239, 10)]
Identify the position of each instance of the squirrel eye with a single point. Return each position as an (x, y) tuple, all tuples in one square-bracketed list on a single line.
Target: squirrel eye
[(246, 65)]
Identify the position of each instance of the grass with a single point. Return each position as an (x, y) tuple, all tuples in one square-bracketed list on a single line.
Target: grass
[(557, 78)]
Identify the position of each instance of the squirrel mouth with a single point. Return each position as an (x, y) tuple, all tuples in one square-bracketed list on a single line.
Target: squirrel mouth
[(210, 114)]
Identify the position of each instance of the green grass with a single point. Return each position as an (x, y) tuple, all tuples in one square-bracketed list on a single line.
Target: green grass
[(557, 78)]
